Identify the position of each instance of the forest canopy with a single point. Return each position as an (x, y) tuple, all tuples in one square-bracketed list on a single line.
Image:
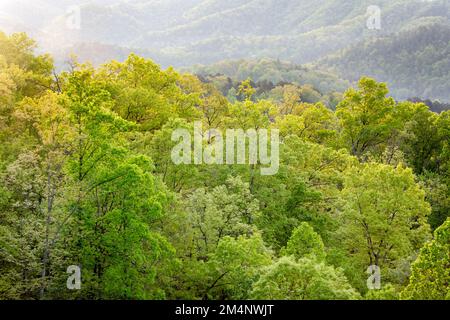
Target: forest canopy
[(87, 180)]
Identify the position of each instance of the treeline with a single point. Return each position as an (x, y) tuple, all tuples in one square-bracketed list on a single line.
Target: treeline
[(435, 106), (87, 179), (269, 77)]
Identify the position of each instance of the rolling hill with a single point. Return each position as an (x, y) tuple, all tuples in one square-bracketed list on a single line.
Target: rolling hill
[(415, 62), (186, 32), (183, 33)]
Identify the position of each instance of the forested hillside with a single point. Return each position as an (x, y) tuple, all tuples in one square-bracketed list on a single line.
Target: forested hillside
[(185, 32), (410, 79), (414, 62), (271, 78), (298, 31), (88, 180), (409, 50)]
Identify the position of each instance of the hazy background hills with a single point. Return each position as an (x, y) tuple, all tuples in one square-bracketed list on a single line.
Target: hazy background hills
[(411, 51)]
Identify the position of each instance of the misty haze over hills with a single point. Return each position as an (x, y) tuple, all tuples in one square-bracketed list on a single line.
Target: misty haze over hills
[(325, 33)]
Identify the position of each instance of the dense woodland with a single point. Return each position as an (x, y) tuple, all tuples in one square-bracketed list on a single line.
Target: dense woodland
[(269, 77), (87, 179), (415, 62)]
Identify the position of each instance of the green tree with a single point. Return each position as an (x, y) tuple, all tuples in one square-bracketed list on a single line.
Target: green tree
[(176, 177), (234, 266), (246, 91), (22, 227), (422, 142), (431, 271), (366, 116), (387, 292), (438, 196), (304, 279), (384, 218), (116, 202), (145, 94), (32, 74), (315, 123), (304, 242), (227, 210)]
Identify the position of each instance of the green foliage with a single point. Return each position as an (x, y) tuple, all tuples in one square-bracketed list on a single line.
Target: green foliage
[(366, 116), (29, 74), (412, 61), (438, 195), (304, 279), (160, 146), (430, 272), (384, 218), (422, 142), (304, 242), (227, 210), (246, 90), (387, 292), (314, 123), (270, 77), (136, 83), (87, 179), (235, 265)]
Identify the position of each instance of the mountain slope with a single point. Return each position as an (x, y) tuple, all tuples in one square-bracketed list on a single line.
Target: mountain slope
[(185, 32), (290, 30), (188, 32), (267, 70), (415, 62)]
